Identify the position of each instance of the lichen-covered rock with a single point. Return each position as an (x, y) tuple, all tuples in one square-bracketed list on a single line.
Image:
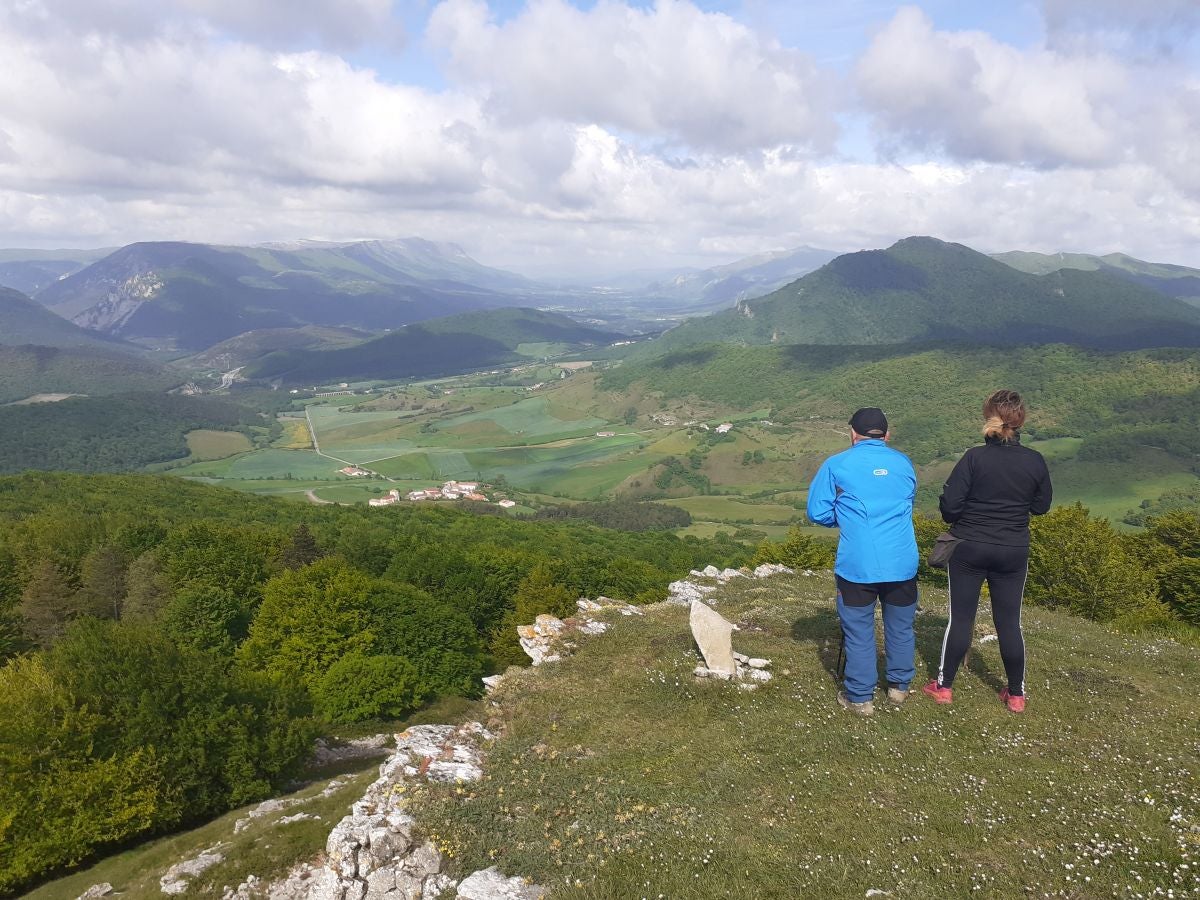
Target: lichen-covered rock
[(95, 891), (489, 884), (766, 570), (684, 593), (175, 880)]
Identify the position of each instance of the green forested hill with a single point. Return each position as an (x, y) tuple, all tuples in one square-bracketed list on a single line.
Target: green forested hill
[(925, 289), (932, 395), (28, 370), (24, 321), (110, 434), (437, 347), (1172, 280)]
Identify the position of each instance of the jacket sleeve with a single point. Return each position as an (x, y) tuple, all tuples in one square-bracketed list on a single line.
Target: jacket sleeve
[(1043, 495), (821, 496), (955, 491)]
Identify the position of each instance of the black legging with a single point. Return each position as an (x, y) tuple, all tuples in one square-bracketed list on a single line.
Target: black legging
[(1005, 569)]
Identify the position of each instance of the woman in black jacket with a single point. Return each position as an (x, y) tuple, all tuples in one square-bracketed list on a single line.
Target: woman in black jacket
[(988, 500)]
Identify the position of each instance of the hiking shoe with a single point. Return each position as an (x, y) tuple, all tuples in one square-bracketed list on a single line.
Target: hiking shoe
[(897, 695), (866, 708), (1014, 702), (939, 694)]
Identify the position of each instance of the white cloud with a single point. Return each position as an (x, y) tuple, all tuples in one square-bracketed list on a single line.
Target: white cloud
[(107, 137), (976, 98), (670, 72), (335, 24), (981, 99)]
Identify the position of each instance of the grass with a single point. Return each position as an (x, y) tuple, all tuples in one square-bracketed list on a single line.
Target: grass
[(207, 445), (735, 509), (264, 848), (300, 464), (621, 776)]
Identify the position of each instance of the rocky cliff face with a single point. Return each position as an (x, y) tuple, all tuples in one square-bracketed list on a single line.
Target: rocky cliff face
[(122, 300)]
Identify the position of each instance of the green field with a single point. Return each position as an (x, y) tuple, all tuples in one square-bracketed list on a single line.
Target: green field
[(208, 445), (270, 463), (734, 509)]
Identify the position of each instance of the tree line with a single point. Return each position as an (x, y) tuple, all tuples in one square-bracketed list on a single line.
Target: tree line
[(173, 649)]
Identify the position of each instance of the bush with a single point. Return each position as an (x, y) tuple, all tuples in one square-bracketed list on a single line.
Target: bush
[(359, 687), (1179, 587), (1081, 564), (798, 551)]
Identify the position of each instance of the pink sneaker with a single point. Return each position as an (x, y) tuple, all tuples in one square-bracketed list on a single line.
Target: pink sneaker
[(1012, 701), (939, 694)]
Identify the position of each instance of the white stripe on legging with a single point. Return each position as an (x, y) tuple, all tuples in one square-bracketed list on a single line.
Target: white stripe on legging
[(1020, 630), (949, 621)]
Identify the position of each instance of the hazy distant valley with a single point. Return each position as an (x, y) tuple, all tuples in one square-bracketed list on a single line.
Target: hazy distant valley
[(439, 368)]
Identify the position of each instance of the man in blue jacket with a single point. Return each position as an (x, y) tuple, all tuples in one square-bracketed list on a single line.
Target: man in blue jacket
[(867, 492)]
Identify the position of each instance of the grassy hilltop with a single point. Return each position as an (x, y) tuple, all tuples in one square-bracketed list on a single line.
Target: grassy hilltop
[(620, 776)]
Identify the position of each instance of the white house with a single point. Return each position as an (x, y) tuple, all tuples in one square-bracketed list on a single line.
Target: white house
[(725, 428), (507, 504)]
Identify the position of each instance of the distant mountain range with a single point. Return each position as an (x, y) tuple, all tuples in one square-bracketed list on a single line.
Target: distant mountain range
[(754, 276), (311, 295), (196, 295), (28, 271), (437, 347), (1174, 281), (922, 289)]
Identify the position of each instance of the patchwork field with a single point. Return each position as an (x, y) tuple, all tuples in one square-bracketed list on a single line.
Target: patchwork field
[(549, 438)]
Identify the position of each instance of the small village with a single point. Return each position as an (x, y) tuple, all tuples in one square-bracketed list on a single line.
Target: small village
[(450, 490)]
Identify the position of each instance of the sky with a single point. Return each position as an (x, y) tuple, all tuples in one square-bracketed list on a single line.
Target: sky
[(554, 137)]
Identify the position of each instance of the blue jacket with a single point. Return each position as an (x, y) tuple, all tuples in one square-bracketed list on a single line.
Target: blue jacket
[(867, 492)]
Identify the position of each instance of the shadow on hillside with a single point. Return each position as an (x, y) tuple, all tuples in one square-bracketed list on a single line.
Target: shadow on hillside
[(824, 631)]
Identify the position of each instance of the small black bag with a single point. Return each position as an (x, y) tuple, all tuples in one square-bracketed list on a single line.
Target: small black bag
[(943, 549)]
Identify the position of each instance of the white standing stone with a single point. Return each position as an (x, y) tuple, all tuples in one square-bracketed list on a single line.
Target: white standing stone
[(713, 634)]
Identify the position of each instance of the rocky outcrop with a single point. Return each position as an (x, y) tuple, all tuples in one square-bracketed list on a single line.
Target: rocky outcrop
[(179, 876), (374, 853), (546, 640)]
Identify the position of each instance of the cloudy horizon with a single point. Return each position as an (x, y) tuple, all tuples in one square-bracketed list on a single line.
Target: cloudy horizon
[(556, 137)]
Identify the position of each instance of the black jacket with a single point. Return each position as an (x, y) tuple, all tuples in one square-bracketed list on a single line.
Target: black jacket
[(992, 492)]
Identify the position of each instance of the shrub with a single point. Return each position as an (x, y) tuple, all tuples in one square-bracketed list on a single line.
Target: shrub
[(359, 687), (1179, 587), (1080, 564), (798, 550)]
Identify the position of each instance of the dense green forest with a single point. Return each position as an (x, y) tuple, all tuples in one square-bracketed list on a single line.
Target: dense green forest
[(1117, 400), (111, 434), (29, 369), (173, 648)]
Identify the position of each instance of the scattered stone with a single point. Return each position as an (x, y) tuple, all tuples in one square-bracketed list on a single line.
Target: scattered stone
[(489, 884), (713, 634), (726, 574), (988, 638), (766, 570), (333, 787), (175, 880), (706, 672), (757, 662), (298, 817), (593, 627), (711, 571), (741, 657), (265, 808), (96, 890), (684, 593), (492, 682)]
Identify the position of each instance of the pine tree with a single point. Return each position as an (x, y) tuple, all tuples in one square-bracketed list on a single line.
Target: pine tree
[(45, 603), (303, 549), (101, 584)]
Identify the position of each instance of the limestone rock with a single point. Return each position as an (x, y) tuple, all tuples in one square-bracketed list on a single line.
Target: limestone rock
[(298, 817), (713, 634), (536, 639), (265, 808), (766, 570), (359, 748), (96, 890), (758, 662), (489, 884), (175, 879), (684, 593), (492, 682)]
